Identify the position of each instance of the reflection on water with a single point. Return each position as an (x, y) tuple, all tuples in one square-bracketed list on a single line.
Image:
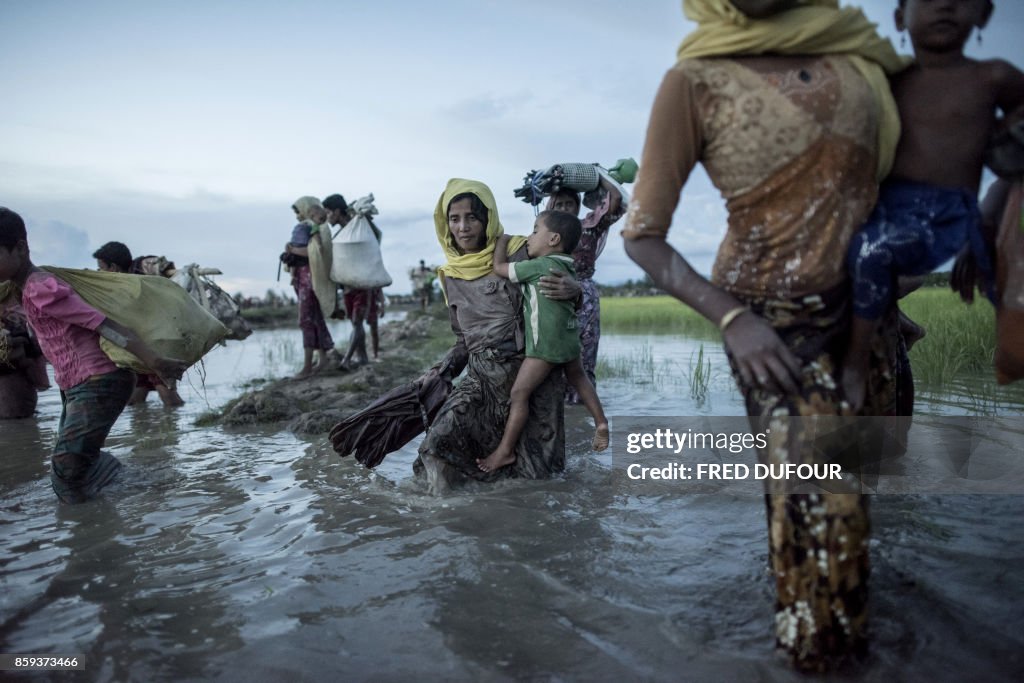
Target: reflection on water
[(228, 554), (665, 364)]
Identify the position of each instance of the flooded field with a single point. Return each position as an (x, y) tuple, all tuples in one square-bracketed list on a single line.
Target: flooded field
[(251, 554)]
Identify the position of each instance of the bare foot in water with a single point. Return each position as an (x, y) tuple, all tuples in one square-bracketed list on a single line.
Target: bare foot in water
[(600, 441), (496, 460)]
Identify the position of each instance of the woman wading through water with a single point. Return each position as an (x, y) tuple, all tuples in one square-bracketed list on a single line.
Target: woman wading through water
[(788, 108)]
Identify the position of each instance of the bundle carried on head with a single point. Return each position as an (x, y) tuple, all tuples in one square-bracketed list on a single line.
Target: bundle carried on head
[(363, 206), (153, 265), (577, 177)]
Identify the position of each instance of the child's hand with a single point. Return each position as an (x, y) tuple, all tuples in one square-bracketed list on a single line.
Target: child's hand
[(500, 257), (964, 276), (168, 368)]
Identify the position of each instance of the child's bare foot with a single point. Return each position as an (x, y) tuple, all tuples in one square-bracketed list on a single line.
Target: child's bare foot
[(496, 460), (600, 441), (303, 373), (854, 386)]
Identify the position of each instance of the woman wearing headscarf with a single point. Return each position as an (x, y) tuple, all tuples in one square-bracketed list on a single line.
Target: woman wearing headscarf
[(310, 264), (486, 317), (787, 106)]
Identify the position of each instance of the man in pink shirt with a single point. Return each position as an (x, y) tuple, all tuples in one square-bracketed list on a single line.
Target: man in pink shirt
[(93, 390)]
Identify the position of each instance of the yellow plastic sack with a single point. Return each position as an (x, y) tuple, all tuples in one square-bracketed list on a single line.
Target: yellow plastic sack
[(160, 312)]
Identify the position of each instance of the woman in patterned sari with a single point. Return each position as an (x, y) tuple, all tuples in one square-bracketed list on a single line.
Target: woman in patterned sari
[(486, 317), (608, 206), (786, 104), (313, 287)]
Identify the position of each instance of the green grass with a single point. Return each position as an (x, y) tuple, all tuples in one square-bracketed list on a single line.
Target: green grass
[(640, 367), (653, 315), (700, 375), (960, 338), (270, 316)]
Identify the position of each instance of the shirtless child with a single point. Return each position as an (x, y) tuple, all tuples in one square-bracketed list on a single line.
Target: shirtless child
[(928, 208)]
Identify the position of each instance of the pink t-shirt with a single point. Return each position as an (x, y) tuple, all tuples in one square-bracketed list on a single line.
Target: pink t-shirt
[(65, 328)]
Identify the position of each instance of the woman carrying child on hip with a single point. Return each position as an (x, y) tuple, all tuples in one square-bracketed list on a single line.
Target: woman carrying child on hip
[(552, 339), (94, 391)]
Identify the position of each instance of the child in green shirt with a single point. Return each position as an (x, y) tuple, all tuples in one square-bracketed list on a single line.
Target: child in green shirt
[(552, 338)]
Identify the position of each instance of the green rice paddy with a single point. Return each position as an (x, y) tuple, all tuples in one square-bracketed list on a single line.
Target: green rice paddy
[(960, 338)]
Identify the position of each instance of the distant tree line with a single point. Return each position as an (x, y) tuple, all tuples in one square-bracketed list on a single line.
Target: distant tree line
[(271, 299)]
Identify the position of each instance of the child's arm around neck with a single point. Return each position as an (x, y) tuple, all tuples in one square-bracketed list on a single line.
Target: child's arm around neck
[(501, 256)]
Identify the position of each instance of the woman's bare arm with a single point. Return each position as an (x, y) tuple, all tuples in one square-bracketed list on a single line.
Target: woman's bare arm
[(759, 352)]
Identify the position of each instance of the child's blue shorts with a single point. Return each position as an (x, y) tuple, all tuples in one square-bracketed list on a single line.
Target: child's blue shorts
[(914, 229)]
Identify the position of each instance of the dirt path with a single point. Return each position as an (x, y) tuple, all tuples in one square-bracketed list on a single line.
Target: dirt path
[(315, 404)]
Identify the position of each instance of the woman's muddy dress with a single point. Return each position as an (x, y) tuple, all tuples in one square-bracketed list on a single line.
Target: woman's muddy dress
[(486, 316), (791, 145)]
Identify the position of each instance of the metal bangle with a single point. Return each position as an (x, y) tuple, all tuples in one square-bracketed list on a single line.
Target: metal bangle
[(730, 316)]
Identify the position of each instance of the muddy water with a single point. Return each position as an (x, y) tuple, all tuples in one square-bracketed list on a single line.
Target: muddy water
[(255, 555)]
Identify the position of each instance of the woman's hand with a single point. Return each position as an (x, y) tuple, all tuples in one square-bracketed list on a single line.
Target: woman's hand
[(762, 358), (559, 286)]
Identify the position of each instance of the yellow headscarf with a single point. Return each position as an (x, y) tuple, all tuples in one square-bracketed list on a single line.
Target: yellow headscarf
[(816, 27), (302, 206), (469, 266)]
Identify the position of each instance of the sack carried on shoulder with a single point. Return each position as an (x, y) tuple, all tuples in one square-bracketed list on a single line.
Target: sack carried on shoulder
[(196, 281), (357, 260), (160, 312)]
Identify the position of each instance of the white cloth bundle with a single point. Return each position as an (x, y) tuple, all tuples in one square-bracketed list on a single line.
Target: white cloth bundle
[(357, 261)]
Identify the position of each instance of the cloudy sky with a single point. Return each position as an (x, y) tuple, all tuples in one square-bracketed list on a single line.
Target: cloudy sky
[(187, 128)]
